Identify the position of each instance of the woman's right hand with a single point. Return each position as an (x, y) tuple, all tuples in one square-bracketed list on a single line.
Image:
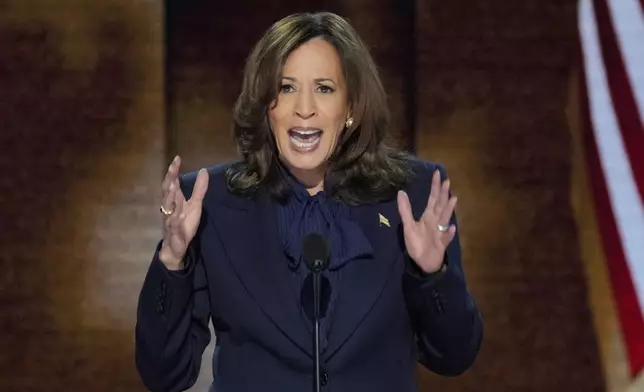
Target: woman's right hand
[(181, 216)]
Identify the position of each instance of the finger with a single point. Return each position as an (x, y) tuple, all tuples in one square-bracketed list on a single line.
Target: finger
[(404, 209), (179, 197), (443, 197), (168, 199), (449, 235), (178, 213), (434, 191), (179, 203), (201, 186), (446, 214), (171, 175)]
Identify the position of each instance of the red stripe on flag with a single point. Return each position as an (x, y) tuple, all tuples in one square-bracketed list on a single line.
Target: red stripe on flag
[(628, 307), (621, 93)]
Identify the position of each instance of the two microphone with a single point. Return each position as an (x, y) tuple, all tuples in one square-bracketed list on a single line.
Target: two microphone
[(316, 255)]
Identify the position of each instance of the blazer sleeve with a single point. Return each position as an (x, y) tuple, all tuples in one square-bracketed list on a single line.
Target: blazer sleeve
[(172, 331), (445, 317)]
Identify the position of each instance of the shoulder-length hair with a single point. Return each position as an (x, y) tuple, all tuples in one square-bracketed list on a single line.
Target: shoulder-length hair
[(364, 167)]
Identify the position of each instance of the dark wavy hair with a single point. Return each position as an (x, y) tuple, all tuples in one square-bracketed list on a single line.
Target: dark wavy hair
[(364, 167)]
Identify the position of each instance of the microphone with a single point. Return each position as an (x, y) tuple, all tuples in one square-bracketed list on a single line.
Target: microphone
[(316, 255)]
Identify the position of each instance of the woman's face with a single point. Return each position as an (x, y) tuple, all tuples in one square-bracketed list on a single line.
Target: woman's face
[(310, 111)]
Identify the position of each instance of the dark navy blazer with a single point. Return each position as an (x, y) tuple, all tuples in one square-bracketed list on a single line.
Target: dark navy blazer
[(390, 318)]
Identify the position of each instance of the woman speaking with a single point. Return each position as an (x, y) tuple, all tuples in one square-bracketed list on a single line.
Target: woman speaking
[(316, 181)]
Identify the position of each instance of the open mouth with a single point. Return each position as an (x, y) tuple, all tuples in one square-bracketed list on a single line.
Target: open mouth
[(305, 139)]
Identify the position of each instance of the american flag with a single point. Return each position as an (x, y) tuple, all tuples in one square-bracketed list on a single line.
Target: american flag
[(612, 47)]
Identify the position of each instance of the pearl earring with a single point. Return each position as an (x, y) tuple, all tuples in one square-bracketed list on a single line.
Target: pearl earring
[(349, 122)]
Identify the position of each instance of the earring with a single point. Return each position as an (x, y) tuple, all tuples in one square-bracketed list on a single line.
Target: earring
[(349, 122)]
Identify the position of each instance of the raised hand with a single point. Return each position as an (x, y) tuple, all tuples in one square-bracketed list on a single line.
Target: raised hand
[(427, 238), (181, 216)]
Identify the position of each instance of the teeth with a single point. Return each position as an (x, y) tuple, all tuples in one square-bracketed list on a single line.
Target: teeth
[(306, 131), (301, 144)]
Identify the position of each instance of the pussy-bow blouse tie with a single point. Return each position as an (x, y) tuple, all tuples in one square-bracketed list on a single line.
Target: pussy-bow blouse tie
[(330, 218)]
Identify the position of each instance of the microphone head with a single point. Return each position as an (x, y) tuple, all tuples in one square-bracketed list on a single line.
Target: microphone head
[(315, 252)]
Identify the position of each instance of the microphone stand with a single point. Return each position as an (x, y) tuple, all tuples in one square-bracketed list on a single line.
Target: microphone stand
[(316, 317), (316, 255)]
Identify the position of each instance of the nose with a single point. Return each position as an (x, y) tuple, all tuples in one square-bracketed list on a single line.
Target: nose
[(305, 105)]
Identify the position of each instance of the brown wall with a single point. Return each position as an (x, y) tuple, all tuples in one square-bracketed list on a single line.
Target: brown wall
[(86, 138), (81, 116), (494, 83)]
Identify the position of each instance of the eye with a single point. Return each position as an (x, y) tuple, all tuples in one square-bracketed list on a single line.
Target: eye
[(325, 89), (286, 88)]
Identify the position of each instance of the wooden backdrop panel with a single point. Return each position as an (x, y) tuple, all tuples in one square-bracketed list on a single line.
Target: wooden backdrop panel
[(493, 90), (81, 115)]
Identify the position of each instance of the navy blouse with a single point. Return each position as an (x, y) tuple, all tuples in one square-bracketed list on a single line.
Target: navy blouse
[(303, 214)]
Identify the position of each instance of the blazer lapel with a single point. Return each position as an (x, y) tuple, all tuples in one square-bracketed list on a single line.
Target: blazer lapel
[(251, 239), (363, 280)]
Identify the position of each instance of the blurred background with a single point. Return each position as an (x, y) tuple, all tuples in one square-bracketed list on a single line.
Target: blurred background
[(535, 108)]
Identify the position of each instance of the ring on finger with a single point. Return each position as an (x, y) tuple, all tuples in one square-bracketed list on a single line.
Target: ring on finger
[(164, 211), (442, 228)]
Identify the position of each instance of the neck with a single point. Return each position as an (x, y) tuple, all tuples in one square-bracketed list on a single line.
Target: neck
[(313, 180)]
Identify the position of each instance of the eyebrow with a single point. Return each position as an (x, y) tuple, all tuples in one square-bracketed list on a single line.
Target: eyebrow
[(318, 80)]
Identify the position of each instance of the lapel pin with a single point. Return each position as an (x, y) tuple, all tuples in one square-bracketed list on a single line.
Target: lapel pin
[(383, 220)]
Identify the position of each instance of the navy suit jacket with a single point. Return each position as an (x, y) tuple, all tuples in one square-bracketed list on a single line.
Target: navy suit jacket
[(390, 317)]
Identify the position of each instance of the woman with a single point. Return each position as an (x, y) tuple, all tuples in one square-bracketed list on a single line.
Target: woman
[(310, 124)]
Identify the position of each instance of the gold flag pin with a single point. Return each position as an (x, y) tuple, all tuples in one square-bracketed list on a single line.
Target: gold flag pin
[(383, 220)]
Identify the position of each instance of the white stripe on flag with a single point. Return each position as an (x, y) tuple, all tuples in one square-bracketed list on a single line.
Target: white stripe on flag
[(628, 23), (623, 194)]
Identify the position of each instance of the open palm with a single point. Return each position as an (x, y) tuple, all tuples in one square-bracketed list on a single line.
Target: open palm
[(182, 216), (427, 239)]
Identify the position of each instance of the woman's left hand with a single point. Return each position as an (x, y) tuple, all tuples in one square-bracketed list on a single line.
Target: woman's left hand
[(427, 238)]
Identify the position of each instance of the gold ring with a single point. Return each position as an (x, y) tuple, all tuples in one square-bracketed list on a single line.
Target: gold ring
[(164, 211), (442, 228)]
